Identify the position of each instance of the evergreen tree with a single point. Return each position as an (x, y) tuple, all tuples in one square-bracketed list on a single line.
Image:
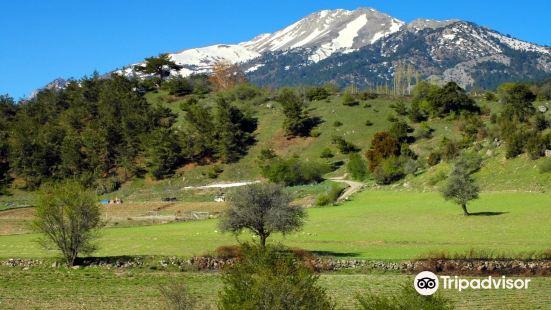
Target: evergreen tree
[(163, 153), (297, 121), (231, 131), (159, 66)]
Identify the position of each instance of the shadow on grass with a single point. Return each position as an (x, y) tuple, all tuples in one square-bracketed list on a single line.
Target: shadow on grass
[(487, 213), (335, 254)]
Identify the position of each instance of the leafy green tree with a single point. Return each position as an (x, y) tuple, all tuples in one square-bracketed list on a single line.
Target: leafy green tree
[(356, 167), (451, 98), (160, 66), (68, 216), (389, 170), (461, 187), (271, 278), (263, 209), (297, 122), (518, 100)]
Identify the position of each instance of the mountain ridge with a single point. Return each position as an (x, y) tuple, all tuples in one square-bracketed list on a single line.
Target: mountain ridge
[(333, 34)]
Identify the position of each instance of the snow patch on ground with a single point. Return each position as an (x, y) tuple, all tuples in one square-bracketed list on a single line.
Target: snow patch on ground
[(223, 185)]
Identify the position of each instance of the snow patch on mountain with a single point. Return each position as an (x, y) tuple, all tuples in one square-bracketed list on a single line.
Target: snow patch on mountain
[(518, 44)]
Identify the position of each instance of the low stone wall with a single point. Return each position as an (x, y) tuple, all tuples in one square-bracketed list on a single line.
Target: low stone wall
[(484, 267), (207, 263)]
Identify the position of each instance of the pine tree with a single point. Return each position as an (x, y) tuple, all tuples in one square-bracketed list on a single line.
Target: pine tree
[(159, 66), (296, 121)]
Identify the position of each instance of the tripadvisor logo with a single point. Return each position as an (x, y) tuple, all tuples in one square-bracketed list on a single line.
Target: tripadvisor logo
[(426, 283)]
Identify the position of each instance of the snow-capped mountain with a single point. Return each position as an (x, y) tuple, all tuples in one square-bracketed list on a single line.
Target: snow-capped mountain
[(364, 46), (471, 55), (325, 32)]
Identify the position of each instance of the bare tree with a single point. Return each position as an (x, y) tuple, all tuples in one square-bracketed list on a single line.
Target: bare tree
[(226, 75), (263, 209), (177, 297), (68, 215)]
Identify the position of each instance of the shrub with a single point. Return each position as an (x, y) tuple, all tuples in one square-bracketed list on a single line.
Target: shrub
[(329, 197), (389, 171), (228, 251), (434, 158), (545, 166), (107, 185), (271, 278), (437, 178), (493, 118), (214, 171), (178, 86), (368, 95), (383, 145), (490, 96), (450, 149), (337, 124), (356, 167), (368, 123), (349, 100), (326, 153), (344, 146), (535, 146), (400, 108), (515, 144), (400, 130), (267, 154), (177, 296), (245, 91), (293, 171), (317, 93), (472, 161), (424, 131), (408, 298), (416, 114), (392, 118)]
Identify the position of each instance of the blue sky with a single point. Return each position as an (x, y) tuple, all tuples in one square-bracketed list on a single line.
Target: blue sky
[(42, 40)]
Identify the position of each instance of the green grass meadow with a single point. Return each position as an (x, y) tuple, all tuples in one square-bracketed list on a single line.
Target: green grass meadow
[(385, 225), (92, 288)]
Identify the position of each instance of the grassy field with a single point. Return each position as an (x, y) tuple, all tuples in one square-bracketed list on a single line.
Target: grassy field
[(92, 288), (388, 225)]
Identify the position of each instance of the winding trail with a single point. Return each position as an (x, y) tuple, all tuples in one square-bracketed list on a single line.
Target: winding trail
[(353, 187)]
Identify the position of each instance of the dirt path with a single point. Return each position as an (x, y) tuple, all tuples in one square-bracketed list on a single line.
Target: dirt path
[(353, 187)]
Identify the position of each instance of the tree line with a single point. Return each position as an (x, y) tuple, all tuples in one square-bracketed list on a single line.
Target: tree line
[(103, 131)]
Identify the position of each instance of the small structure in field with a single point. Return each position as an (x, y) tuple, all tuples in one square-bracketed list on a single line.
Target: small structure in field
[(220, 197), (200, 215)]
